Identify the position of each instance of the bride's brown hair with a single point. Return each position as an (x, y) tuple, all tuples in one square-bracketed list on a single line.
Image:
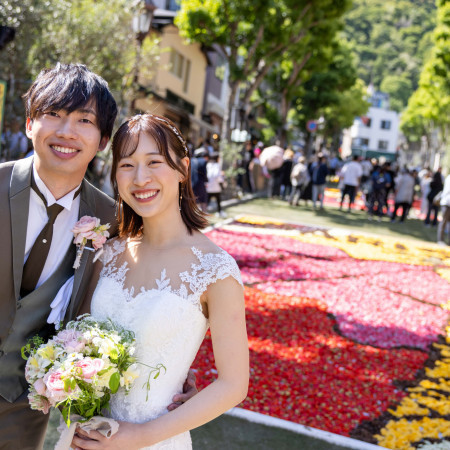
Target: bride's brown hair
[(167, 136)]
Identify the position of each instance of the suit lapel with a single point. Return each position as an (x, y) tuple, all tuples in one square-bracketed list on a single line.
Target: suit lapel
[(87, 208), (19, 201)]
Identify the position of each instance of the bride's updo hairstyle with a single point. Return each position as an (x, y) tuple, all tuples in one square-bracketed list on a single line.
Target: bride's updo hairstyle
[(167, 136)]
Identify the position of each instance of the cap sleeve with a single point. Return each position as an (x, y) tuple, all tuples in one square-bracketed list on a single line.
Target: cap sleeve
[(211, 268)]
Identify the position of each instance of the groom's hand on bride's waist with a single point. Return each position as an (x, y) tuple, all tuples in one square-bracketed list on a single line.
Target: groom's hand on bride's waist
[(189, 390)]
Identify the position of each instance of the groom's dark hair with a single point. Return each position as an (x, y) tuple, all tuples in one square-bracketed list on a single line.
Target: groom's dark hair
[(71, 87)]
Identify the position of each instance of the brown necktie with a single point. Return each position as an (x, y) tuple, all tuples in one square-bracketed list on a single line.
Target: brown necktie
[(34, 265)]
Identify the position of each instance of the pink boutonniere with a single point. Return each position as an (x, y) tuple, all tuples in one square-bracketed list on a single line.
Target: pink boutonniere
[(89, 229)]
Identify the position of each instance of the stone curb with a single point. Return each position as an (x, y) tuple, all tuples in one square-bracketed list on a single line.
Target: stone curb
[(315, 433)]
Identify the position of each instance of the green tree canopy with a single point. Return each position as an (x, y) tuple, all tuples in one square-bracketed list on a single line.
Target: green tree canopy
[(391, 39), (335, 93), (254, 35), (429, 107), (98, 34)]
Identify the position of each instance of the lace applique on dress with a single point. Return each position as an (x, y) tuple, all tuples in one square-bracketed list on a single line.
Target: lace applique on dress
[(112, 249), (109, 258), (210, 268)]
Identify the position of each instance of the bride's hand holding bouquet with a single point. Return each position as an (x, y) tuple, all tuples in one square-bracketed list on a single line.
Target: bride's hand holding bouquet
[(78, 370)]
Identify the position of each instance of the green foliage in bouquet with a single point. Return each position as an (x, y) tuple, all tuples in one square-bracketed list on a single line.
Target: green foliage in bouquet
[(80, 368)]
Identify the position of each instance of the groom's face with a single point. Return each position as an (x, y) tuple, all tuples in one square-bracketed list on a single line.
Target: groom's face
[(65, 143)]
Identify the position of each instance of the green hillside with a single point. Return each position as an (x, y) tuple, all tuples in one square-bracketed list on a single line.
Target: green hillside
[(391, 40)]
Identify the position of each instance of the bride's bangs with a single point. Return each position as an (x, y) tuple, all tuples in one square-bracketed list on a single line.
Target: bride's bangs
[(162, 137), (128, 138), (129, 145)]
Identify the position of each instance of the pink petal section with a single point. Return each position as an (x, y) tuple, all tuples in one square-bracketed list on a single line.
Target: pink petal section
[(370, 314), (364, 295)]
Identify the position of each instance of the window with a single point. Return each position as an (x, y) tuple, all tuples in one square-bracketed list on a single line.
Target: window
[(383, 145), (180, 67), (176, 63), (220, 67), (367, 121), (362, 142), (172, 5), (186, 76), (385, 125)]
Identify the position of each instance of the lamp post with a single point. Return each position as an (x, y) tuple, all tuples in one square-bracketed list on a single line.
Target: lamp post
[(142, 21)]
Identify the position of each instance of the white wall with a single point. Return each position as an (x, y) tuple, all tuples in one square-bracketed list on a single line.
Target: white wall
[(374, 133)]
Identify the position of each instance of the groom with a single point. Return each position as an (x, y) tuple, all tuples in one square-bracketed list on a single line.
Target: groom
[(70, 117)]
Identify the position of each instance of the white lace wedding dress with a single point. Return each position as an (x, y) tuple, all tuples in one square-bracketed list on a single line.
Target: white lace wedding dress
[(169, 325)]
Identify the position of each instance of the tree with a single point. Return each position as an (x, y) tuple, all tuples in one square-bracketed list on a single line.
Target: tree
[(334, 93), (391, 40), (340, 114), (399, 88), (97, 34), (429, 107), (23, 17), (253, 35)]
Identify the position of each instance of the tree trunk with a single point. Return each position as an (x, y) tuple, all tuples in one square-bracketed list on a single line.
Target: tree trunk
[(309, 145), (253, 86), (226, 125), (284, 109)]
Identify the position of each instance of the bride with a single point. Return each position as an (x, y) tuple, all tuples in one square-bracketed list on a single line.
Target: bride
[(167, 282)]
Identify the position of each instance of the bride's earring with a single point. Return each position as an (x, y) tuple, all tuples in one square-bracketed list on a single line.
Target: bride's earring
[(181, 196), (119, 208)]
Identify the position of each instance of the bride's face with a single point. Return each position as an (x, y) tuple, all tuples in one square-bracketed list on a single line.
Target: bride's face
[(145, 180)]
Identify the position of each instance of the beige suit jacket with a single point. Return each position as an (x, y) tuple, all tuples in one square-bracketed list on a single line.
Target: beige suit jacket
[(15, 180)]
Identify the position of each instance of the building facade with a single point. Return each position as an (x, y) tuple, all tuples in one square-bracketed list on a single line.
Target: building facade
[(189, 84), (376, 133)]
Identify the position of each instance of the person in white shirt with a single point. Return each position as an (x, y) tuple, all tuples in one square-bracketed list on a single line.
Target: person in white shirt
[(445, 203), (367, 167), (350, 176), (299, 179), (404, 194), (215, 181)]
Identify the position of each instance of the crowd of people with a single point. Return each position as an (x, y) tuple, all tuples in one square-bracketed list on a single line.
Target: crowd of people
[(14, 143), (386, 190)]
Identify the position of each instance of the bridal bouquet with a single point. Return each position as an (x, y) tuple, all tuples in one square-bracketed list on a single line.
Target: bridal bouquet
[(80, 368)]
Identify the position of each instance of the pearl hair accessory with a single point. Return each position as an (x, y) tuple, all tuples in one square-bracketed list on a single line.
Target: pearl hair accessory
[(175, 130)]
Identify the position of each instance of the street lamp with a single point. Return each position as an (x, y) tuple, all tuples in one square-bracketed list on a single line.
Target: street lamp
[(142, 18), (142, 21)]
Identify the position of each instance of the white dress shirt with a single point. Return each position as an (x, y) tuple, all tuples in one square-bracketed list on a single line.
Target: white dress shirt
[(351, 173), (62, 230), (445, 197)]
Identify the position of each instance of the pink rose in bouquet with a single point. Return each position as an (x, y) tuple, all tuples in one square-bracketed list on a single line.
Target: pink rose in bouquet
[(56, 388), (98, 241), (72, 340), (90, 367)]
